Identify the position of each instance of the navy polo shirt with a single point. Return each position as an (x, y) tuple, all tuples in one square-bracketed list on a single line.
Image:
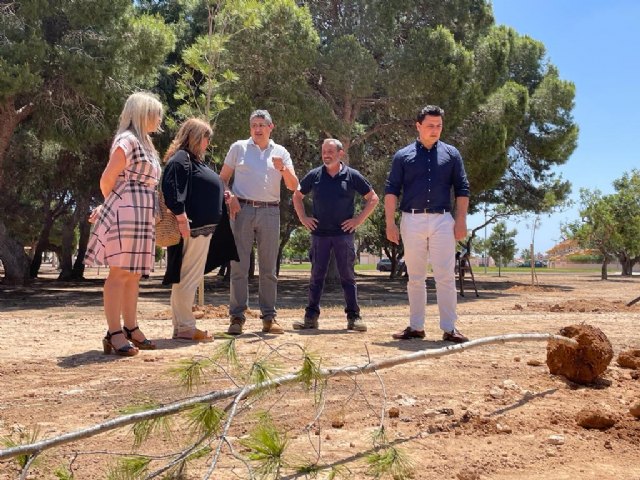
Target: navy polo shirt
[(333, 197), (425, 176)]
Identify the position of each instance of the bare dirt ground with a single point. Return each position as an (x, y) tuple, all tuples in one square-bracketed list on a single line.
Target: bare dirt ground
[(488, 413)]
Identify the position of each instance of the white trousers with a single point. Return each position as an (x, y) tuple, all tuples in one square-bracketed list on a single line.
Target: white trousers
[(428, 238), (194, 256)]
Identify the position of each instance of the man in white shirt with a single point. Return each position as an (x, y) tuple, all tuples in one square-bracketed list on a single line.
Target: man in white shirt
[(257, 166)]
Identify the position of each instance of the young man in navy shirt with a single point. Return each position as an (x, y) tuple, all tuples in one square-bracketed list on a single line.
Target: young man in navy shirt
[(425, 172), (332, 226)]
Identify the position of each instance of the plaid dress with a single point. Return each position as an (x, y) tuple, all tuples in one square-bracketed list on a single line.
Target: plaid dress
[(124, 233)]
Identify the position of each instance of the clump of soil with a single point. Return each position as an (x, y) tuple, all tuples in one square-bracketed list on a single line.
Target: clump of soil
[(594, 418), (629, 359), (584, 363)]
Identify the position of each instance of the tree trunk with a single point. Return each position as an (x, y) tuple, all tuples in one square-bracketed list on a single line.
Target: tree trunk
[(627, 267), (43, 242), (14, 260), (603, 270), (84, 228), (10, 118), (66, 252)]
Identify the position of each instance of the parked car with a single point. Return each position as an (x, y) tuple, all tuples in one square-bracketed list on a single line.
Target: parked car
[(384, 265), (538, 264)]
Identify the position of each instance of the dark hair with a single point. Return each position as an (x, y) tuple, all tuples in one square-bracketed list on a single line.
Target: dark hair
[(432, 110)]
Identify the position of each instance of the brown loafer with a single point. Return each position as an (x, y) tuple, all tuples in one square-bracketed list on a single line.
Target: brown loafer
[(408, 334), (454, 336)]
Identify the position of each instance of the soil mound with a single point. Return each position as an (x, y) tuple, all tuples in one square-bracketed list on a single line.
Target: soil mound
[(629, 359), (584, 363)]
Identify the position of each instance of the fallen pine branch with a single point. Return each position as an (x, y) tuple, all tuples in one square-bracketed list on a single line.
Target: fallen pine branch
[(176, 407)]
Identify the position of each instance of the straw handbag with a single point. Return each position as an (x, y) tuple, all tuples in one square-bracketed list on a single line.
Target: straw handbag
[(167, 232)]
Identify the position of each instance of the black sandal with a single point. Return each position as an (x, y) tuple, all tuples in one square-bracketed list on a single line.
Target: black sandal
[(146, 344), (126, 351)]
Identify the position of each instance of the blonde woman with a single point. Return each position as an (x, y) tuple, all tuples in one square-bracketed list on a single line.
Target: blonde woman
[(195, 194), (123, 236)]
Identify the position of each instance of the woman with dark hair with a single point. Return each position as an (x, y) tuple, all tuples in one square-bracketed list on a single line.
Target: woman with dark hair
[(123, 236), (195, 194)]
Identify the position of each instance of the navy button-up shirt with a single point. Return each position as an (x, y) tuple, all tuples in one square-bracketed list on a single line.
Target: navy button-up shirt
[(425, 176)]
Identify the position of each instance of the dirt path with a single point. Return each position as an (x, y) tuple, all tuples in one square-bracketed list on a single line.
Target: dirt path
[(483, 414)]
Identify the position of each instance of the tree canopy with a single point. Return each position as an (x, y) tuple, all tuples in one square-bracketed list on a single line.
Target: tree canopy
[(356, 70), (610, 224)]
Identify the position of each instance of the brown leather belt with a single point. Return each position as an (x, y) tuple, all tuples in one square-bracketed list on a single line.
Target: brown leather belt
[(257, 204)]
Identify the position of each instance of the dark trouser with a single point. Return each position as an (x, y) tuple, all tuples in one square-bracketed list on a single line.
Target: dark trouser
[(345, 253)]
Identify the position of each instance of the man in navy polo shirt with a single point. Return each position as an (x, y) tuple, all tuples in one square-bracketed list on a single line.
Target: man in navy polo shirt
[(332, 227), (425, 172)]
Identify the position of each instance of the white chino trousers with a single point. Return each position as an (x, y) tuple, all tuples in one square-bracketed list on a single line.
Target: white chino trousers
[(428, 238)]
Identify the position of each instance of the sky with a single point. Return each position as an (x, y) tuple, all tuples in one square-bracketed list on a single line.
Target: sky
[(595, 45)]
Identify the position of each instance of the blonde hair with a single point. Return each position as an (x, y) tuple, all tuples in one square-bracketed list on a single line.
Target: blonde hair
[(189, 138), (139, 109)]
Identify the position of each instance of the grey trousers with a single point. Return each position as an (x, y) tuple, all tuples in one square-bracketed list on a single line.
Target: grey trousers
[(261, 224)]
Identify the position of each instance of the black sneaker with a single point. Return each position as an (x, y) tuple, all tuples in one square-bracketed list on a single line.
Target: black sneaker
[(408, 334)]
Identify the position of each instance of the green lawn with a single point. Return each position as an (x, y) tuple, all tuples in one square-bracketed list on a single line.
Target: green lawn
[(306, 266)]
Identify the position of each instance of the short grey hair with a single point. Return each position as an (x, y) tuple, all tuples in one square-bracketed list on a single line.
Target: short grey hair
[(261, 114), (334, 141)]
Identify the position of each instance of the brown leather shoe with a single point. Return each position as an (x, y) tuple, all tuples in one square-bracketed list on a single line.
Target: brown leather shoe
[(454, 336), (235, 328), (408, 334), (269, 325)]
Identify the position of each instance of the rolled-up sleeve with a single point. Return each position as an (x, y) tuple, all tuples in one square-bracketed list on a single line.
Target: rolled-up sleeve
[(460, 182), (393, 184)]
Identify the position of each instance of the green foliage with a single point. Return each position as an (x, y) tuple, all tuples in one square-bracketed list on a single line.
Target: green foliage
[(145, 428), (262, 370), (310, 373), (611, 223), (63, 473), (129, 468), (298, 245), (227, 351), (584, 258), (390, 462), (26, 437), (205, 418), (266, 447), (190, 372), (502, 244)]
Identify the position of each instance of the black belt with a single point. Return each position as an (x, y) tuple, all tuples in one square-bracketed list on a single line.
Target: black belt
[(428, 210), (257, 204)]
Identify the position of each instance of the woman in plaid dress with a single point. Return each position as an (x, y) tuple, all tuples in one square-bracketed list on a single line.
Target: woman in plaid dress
[(123, 236)]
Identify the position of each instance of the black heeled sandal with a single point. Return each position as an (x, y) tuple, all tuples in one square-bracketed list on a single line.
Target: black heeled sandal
[(126, 351), (146, 344)]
